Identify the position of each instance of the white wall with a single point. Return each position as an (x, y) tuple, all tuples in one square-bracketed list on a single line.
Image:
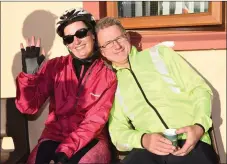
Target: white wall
[(28, 18), (212, 65)]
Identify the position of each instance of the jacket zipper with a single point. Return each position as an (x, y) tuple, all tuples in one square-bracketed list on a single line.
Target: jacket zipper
[(84, 81), (80, 89), (145, 97)]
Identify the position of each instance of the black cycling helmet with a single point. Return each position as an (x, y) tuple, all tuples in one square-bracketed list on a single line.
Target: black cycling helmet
[(73, 15)]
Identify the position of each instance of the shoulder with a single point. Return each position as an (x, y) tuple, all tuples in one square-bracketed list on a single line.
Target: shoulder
[(107, 70), (55, 62), (59, 59), (163, 49), (166, 46)]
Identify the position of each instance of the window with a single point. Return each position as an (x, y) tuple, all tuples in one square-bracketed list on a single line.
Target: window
[(151, 8), (200, 26), (155, 14)]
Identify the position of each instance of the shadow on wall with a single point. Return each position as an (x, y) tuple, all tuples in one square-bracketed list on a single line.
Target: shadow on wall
[(216, 115), (39, 23), (135, 39)]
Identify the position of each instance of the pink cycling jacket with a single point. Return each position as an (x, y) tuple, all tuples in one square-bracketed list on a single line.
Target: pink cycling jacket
[(78, 111)]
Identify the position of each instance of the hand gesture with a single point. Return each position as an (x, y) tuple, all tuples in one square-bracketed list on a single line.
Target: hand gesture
[(157, 144), (31, 58), (194, 133)]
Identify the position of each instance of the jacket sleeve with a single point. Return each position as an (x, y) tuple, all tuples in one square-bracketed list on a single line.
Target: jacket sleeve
[(93, 123), (194, 85), (32, 90), (122, 134)]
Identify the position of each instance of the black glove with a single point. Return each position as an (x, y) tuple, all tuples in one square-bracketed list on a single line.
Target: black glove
[(31, 60), (61, 158)]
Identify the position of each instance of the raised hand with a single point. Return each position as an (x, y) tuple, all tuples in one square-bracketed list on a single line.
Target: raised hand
[(194, 133), (31, 58), (157, 144)]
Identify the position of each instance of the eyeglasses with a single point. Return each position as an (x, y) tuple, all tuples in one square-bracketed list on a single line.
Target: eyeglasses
[(81, 33), (110, 43)]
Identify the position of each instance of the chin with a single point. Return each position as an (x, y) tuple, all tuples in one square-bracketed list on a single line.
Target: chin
[(79, 55)]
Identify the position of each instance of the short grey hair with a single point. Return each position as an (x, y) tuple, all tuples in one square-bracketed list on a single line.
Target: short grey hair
[(107, 22)]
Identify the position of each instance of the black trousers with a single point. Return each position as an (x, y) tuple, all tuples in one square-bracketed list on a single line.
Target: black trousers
[(201, 154), (46, 152)]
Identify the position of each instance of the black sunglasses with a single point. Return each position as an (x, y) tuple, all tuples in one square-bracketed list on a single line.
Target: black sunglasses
[(81, 33)]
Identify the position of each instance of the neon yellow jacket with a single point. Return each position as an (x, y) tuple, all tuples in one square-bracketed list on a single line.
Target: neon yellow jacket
[(179, 94)]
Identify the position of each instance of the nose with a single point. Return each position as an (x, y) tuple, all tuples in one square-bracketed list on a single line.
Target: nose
[(117, 45), (76, 40)]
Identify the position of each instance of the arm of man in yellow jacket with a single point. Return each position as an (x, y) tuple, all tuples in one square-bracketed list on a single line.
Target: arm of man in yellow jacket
[(201, 92)]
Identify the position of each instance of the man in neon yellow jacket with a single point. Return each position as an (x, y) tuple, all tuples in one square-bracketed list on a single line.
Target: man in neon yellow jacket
[(156, 90)]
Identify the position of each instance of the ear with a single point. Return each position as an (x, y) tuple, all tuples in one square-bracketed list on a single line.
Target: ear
[(128, 36), (102, 53)]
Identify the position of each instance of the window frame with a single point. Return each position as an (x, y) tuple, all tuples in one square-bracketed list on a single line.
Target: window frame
[(186, 38), (212, 17)]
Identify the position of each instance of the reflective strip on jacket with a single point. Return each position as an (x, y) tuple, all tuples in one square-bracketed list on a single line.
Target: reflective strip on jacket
[(74, 119), (180, 95)]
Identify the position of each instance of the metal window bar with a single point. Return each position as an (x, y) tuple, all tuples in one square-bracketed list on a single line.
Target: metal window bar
[(133, 13), (144, 8), (120, 8), (154, 8), (196, 7)]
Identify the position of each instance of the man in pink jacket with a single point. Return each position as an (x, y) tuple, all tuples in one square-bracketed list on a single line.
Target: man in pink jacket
[(81, 90)]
